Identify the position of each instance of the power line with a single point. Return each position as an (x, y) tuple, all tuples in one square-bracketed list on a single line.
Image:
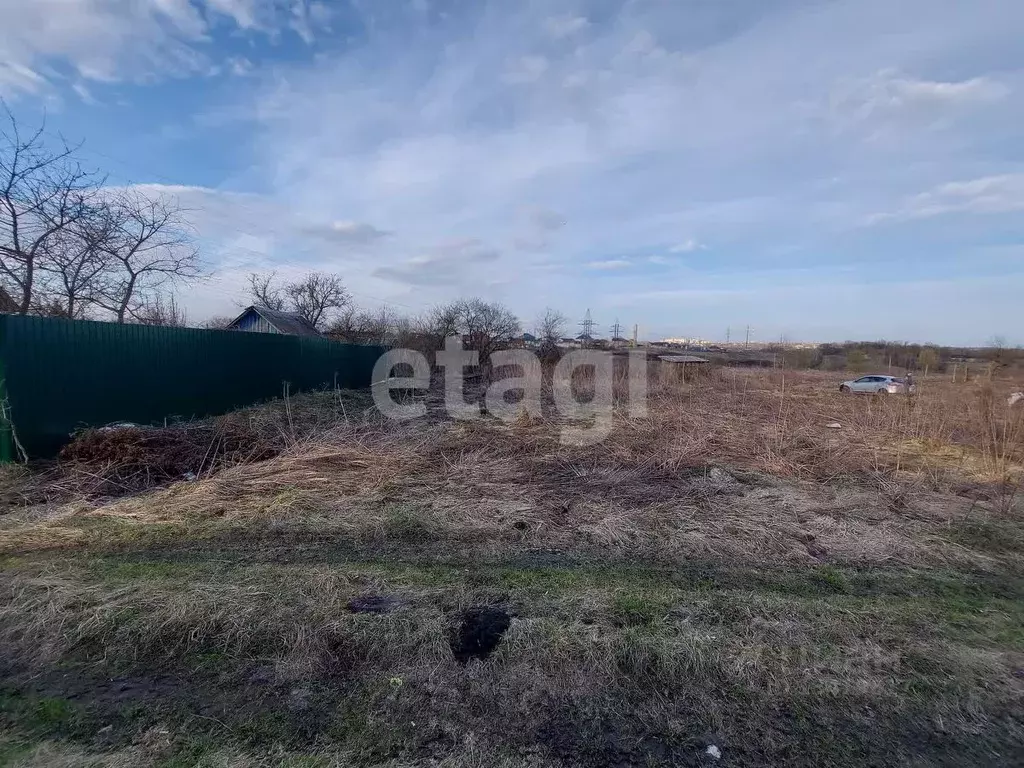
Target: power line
[(588, 328)]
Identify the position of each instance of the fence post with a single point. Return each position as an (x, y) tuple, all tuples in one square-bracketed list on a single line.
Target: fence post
[(6, 439)]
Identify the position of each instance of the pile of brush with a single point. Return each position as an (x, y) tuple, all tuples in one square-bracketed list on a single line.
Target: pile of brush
[(124, 459), (113, 461)]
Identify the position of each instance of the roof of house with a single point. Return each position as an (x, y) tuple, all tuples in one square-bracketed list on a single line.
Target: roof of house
[(7, 302), (290, 323)]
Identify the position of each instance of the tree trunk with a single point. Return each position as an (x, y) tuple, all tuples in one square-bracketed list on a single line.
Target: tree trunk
[(26, 289)]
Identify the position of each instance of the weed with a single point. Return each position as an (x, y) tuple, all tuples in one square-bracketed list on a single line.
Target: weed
[(632, 609), (833, 578)]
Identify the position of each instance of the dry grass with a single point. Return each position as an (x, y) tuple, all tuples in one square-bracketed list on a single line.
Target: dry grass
[(878, 490), (725, 570)]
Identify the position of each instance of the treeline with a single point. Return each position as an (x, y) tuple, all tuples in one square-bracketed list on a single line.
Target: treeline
[(325, 303)]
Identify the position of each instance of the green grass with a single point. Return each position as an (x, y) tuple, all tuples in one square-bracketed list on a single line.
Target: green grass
[(218, 565), (632, 609), (769, 654), (39, 716), (999, 537)]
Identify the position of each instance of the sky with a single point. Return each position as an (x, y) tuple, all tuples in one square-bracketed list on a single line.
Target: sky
[(827, 170)]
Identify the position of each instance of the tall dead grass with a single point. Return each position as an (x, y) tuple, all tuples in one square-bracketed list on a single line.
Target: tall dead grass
[(778, 422)]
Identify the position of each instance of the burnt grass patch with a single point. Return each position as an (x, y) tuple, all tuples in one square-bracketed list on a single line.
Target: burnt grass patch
[(478, 632)]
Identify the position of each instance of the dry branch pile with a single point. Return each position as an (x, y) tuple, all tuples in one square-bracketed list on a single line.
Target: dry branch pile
[(115, 461)]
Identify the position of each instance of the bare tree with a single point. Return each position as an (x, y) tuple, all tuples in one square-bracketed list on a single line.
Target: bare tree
[(160, 309), (43, 192), (485, 326), (551, 325), (360, 326), (314, 296), (51, 307), (75, 265), (264, 292), (149, 247), (441, 322), (218, 323)]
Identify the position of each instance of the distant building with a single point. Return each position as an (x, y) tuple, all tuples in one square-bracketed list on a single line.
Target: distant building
[(684, 342), (524, 340), (262, 320)]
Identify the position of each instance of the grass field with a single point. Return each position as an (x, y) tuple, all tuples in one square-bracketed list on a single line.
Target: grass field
[(726, 581)]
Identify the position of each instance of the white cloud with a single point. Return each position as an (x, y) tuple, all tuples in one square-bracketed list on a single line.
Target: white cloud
[(525, 69), (609, 264), (243, 12), (687, 246), (84, 93), (239, 65), (130, 40), (459, 260), (642, 43), (991, 194), (565, 26), (15, 77), (347, 232), (887, 94)]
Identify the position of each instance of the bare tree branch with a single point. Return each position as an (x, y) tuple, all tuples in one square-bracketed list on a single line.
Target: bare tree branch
[(75, 266), (218, 323), (313, 297), (149, 248), (485, 326), (160, 309), (357, 326), (317, 294), (43, 192), (264, 292), (550, 326)]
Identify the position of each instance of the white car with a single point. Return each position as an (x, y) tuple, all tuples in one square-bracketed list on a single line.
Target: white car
[(877, 384)]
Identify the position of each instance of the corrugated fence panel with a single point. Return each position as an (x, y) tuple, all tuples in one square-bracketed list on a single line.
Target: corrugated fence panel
[(61, 375)]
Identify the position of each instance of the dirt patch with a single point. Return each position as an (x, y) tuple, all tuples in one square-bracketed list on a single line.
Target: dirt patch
[(479, 632)]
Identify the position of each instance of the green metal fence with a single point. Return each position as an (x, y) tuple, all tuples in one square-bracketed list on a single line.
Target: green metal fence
[(57, 376)]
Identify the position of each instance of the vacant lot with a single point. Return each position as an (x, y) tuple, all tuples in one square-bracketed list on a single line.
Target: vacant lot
[(726, 581)]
